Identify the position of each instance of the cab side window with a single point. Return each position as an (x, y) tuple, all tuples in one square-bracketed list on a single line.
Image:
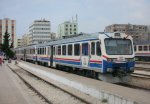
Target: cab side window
[(98, 49), (93, 48)]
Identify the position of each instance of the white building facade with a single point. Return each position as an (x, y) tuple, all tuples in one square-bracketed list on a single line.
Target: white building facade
[(67, 29), (19, 42), (10, 26), (39, 32), (25, 39)]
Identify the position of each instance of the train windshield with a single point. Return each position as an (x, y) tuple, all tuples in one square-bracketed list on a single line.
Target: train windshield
[(118, 46)]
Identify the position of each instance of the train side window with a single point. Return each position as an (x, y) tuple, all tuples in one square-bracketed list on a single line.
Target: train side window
[(140, 48), (40, 51), (98, 49), (135, 48), (30, 51), (145, 48), (64, 49), (33, 51), (45, 50), (48, 50), (93, 48), (53, 50), (70, 49), (149, 48), (85, 49), (56, 50), (76, 49), (59, 50)]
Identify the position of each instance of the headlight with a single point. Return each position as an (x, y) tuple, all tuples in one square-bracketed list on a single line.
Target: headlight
[(109, 69), (111, 59)]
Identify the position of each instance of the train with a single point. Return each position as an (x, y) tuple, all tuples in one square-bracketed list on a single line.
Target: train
[(105, 56), (142, 51)]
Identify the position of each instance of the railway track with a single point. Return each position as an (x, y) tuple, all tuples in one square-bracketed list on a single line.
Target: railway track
[(142, 62), (132, 86), (143, 76), (140, 79), (49, 92), (142, 71)]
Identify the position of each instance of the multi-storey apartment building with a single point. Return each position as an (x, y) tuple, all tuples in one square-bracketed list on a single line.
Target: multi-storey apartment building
[(67, 28), (10, 26), (39, 32), (138, 32), (19, 42), (25, 39)]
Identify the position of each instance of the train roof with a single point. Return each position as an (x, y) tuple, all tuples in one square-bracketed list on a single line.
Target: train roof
[(78, 38), (142, 43)]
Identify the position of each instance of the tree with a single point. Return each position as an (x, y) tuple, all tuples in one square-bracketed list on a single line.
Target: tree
[(11, 46), (5, 46)]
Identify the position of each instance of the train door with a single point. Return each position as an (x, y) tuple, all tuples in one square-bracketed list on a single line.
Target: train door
[(51, 56), (85, 54), (35, 51), (95, 55), (24, 55)]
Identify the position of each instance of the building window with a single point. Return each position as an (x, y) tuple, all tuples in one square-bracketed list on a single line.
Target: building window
[(64, 49), (70, 49), (93, 48), (76, 49), (74, 29), (70, 25), (66, 25), (74, 25)]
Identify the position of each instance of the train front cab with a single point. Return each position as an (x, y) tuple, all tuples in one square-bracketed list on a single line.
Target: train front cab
[(118, 59)]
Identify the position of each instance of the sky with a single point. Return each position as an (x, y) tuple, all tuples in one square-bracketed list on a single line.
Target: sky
[(93, 15)]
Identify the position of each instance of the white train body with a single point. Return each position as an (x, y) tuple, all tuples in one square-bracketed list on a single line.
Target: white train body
[(102, 53), (142, 51)]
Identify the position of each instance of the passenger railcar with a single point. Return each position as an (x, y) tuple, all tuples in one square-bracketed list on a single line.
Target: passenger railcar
[(142, 51), (106, 56)]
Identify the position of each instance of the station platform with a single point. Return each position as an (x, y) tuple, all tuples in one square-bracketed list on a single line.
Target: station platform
[(10, 90)]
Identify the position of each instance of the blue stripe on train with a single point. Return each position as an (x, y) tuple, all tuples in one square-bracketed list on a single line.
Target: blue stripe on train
[(95, 65), (68, 62), (43, 59)]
